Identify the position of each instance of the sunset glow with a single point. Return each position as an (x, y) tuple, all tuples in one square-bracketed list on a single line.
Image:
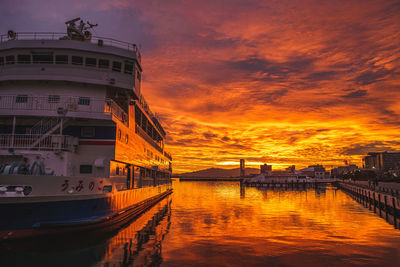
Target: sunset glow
[(278, 82)]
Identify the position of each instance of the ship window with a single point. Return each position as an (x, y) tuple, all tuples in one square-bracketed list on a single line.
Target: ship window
[(128, 67), (24, 59), (116, 66), (1, 61), (104, 63), (117, 171), (53, 99), (77, 60), (61, 59), (84, 101), (87, 132), (42, 58), (85, 169), (90, 62), (119, 134), (21, 99), (10, 60), (126, 139)]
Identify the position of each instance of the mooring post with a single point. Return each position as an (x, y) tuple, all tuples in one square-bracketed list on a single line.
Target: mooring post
[(386, 205), (362, 196), (394, 212), (369, 199), (365, 197), (379, 203)]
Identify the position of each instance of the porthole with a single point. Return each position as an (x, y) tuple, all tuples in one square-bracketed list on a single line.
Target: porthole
[(119, 134), (126, 139)]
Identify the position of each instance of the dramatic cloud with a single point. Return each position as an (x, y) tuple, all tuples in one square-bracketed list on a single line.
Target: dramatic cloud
[(282, 82), (356, 94)]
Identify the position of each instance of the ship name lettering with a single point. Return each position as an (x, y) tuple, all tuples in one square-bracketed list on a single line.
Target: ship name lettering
[(80, 186), (65, 185), (91, 185)]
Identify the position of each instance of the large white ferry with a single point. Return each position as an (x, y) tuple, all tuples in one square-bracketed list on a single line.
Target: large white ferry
[(79, 147)]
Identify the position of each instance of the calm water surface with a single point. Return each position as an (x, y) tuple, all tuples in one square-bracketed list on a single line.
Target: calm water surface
[(215, 224)]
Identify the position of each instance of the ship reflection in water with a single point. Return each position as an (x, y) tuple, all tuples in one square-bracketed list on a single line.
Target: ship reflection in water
[(218, 224), (136, 244)]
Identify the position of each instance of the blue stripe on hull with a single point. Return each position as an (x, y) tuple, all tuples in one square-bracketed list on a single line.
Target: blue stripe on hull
[(27, 215)]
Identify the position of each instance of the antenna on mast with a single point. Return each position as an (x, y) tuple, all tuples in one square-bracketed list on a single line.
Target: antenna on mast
[(78, 32)]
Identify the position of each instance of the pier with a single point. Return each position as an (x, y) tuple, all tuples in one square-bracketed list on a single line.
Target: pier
[(286, 184), (384, 201)]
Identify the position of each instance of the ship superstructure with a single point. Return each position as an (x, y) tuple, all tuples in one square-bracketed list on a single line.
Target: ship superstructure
[(75, 129)]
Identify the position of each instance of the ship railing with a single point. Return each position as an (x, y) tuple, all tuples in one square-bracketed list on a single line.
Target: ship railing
[(63, 105), (116, 111), (146, 137), (59, 35), (29, 142), (166, 154)]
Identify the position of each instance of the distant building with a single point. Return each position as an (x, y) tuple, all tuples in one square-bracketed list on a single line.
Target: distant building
[(382, 161), (314, 171), (342, 170), (242, 168), (371, 161), (291, 168), (265, 168)]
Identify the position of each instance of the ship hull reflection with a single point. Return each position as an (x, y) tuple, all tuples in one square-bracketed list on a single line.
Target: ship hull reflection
[(136, 243)]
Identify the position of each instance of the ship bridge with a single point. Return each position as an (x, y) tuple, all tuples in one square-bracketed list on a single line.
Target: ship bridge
[(49, 57), (61, 91)]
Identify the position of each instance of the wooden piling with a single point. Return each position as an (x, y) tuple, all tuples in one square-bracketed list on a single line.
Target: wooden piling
[(394, 212), (379, 203), (369, 199), (386, 206)]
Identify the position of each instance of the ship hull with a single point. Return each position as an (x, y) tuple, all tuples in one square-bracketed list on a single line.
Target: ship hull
[(24, 217)]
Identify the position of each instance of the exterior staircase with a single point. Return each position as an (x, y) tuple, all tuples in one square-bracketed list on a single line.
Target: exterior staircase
[(46, 127)]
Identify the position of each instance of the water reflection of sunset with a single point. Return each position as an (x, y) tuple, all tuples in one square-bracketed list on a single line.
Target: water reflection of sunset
[(274, 224)]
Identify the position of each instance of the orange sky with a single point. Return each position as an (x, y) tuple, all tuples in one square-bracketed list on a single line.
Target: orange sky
[(281, 82)]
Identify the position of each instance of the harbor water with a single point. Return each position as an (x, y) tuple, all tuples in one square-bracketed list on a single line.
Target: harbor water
[(218, 224)]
